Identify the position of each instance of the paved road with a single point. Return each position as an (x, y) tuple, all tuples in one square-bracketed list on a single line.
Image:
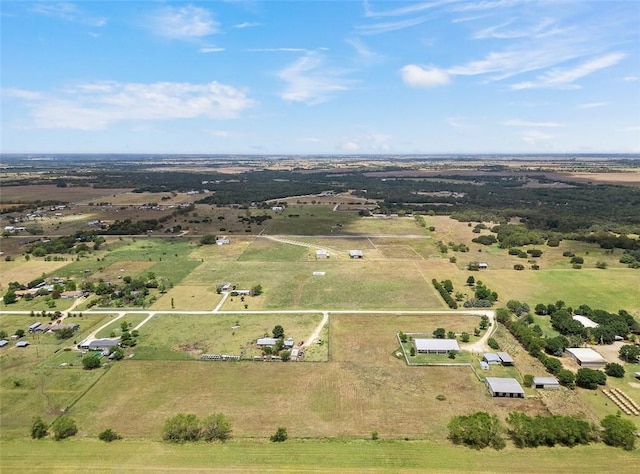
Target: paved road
[(478, 346)]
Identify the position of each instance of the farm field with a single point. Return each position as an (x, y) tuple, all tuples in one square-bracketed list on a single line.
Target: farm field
[(327, 455), (348, 387)]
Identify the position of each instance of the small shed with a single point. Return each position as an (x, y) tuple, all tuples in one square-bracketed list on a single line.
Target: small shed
[(491, 358), (288, 343), (22, 343), (505, 358), (34, 326), (586, 357), (506, 387), (322, 253), (484, 365), (356, 254), (483, 265), (637, 375), (546, 383), (436, 346), (267, 341), (3, 342)]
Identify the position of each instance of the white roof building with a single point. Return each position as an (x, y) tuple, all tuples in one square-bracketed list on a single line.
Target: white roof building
[(546, 382), (436, 346), (504, 387), (587, 357), (586, 322)]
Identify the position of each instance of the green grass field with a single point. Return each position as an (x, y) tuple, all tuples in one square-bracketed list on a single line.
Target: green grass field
[(327, 455), (349, 386)]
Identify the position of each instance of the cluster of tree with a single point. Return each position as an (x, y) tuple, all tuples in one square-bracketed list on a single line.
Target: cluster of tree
[(478, 431), (62, 428), (129, 291), (482, 430), (76, 243), (530, 432), (535, 344), (187, 427), (445, 288), (484, 297), (129, 227), (488, 239), (610, 325), (510, 235)]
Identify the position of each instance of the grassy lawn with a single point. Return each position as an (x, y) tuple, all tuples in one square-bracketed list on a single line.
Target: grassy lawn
[(115, 329), (330, 455)]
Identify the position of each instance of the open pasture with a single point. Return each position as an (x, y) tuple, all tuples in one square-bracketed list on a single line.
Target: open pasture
[(188, 297), (362, 388), (192, 335), (51, 192), (328, 455), (25, 271), (310, 220), (347, 284)]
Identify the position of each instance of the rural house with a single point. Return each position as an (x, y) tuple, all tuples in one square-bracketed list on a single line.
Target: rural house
[(355, 254)]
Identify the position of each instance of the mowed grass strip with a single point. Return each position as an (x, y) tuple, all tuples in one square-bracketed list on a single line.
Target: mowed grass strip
[(333, 455)]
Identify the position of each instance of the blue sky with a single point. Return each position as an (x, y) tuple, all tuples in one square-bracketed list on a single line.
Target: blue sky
[(331, 77)]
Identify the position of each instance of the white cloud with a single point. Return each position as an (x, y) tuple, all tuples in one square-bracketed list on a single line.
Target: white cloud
[(457, 122), (277, 50), (69, 12), (378, 28), (542, 29), (407, 10), (184, 22), (593, 105), (564, 78), (532, 137), (630, 78), (219, 133), (362, 50), (417, 76), (95, 106), (310, 82), (525, 123), (211, 49), (370, 142), (246, 24)]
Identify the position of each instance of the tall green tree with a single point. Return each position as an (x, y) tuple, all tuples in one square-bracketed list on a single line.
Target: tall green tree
[(216, 427), (38, 428), (477, 431), (619, 432), (64, 427)]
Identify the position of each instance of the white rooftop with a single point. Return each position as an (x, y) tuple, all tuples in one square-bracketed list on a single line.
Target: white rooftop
[(585, 354), (436, 345), (586, 322), (545, 380), (504, 385)]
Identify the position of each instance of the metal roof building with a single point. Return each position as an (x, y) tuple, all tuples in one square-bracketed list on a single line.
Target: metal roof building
[(586, 357), (435, 346), (504, 387), (491, 358), (546, 382), (505, 358)]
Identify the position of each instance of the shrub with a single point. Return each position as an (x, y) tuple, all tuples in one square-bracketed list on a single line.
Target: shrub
[(566, 378), (528, 380), (590, 378), (614, 370), (279, 436), (577, 260), (618, 432), (64, 427), (182, 427), (493, 344), (109, 435), (518, 266), (38, 428), (477, 431)]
